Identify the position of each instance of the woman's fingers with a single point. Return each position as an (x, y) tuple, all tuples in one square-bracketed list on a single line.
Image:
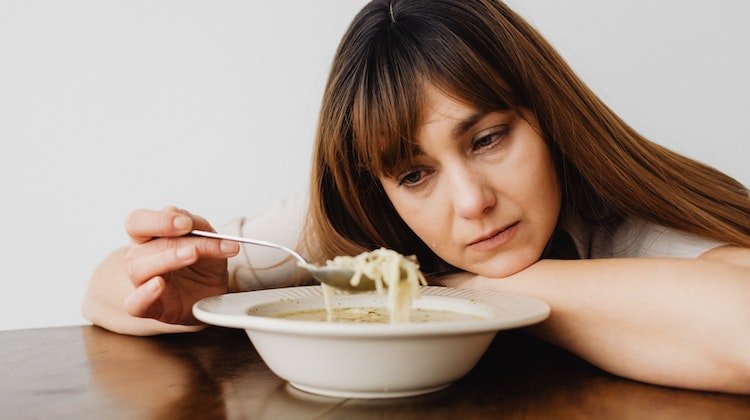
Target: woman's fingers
[(164, 255), (146, 266), (144, 225), (199, 222), (143, 301), (161, 246)]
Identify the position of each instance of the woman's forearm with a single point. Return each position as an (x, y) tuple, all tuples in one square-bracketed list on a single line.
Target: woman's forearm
[(673, 322), (103, 303)]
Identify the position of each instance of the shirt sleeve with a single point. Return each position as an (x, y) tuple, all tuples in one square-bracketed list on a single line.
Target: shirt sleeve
[(257, 267), (640, 239)]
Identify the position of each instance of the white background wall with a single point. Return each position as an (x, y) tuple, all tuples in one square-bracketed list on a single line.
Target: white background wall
[(109, 106)]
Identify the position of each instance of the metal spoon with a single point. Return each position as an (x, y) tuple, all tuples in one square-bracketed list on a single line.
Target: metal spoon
[(338, 278)]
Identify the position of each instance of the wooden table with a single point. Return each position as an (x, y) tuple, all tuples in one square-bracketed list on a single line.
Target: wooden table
[(87, 372)]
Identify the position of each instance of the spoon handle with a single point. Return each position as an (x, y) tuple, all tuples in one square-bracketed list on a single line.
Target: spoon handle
[(292, 252)]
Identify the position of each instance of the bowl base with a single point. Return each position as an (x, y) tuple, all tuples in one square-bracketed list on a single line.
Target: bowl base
[(367, 394)]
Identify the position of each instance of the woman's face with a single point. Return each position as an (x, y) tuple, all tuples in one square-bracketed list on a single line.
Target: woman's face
[(483, 193)]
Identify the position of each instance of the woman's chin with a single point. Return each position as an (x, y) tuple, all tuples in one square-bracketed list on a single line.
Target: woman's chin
[(503, 266)]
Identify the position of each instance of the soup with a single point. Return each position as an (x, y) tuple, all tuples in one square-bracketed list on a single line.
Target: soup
[(376, 315)]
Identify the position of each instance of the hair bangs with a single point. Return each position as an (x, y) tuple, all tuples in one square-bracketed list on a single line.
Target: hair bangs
[(388, 108), (407, 57)]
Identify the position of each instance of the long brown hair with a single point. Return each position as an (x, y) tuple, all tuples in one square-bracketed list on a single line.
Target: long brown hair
[(483, 53)]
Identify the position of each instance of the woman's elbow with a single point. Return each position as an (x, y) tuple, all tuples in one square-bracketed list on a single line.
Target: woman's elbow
[(732, 371), (740, 382)]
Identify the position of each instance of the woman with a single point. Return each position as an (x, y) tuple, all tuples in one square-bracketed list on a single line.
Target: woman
[(451, 130)]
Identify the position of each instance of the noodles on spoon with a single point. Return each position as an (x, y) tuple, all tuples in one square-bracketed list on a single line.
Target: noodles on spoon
[(387, 268)]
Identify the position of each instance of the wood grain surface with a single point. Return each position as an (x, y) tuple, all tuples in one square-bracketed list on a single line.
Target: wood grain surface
[(87, 372)]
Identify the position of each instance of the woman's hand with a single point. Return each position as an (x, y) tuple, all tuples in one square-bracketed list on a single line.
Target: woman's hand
[(171, 271)]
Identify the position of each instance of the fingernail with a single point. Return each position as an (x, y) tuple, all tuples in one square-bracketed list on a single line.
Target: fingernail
[(185, 253), (152, 285), (182, 222), (227, 247)]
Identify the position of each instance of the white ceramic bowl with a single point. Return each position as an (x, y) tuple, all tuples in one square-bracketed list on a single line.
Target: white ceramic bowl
[(364, 360)]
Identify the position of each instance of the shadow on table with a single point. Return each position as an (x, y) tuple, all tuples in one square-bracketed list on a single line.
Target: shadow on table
[(155, 377), (522, 377), (212, 374), (217, 374)]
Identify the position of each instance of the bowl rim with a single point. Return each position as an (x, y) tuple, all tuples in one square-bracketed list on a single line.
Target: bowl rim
[(231, 310)]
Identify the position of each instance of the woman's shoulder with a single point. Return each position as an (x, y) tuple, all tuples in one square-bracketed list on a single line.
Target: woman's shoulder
[(637, 238)]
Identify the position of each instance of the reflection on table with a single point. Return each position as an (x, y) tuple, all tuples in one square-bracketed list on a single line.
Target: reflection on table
[(89, 372)]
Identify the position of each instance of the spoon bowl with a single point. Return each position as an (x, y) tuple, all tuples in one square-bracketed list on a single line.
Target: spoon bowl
[(338, 278)]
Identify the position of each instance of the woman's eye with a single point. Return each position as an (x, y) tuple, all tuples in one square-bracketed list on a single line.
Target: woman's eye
[(489, 139), (484, 141), (411, 179)]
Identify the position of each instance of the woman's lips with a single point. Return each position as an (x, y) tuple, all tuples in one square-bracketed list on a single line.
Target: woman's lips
[(495, 240)]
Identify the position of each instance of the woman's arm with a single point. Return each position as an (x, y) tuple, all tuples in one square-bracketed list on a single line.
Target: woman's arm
[(676, 322)]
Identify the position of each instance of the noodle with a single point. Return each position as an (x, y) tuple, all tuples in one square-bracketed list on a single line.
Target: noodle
[(389, 269), (327, 296)]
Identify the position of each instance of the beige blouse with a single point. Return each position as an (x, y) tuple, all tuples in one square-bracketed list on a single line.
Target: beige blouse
[(258, 267)]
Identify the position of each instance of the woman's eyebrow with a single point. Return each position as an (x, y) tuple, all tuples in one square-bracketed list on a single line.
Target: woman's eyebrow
[(462, 127)]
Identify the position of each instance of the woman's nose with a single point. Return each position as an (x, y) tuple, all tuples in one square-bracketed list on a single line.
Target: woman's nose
[(472, 195)]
